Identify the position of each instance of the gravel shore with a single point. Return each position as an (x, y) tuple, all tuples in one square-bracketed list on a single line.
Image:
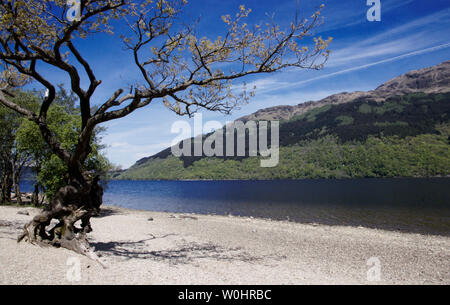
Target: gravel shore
[(141, 247)]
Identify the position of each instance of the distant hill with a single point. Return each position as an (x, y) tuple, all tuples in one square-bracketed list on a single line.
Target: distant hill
[(401, 128)]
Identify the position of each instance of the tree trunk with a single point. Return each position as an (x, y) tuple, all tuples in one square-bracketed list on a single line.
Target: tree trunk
[(17, 193), (6, 185), (35, 196), (16, 178), (78, 201)]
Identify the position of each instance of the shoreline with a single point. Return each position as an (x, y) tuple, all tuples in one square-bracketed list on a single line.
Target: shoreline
[(144, 247), (290, 179), (290, 220)]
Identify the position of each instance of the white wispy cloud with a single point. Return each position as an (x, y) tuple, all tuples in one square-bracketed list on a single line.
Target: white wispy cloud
[(405, 38), (364, 51), (341, 14), (440, 18), (360, 67), (414, 38)]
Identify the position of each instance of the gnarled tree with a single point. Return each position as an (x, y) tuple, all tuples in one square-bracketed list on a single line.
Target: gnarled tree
[(184, 71)]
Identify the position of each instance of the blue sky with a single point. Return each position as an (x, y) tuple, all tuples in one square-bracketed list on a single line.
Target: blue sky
[(412, 34)]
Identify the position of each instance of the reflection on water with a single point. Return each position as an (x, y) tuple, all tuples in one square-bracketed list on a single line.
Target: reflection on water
[(413, 205)]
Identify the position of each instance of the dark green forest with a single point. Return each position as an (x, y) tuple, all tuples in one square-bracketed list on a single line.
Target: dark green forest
[(404, 136)]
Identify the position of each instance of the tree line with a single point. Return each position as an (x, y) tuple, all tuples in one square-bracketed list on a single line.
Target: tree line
[(424, 155)]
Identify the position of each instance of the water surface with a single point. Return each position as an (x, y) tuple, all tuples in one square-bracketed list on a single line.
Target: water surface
[(415, 205), (411, 205)]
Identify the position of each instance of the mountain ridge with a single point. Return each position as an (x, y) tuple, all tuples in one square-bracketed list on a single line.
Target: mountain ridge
[(411, 82)]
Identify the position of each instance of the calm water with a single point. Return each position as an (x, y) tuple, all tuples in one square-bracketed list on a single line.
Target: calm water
[(413, 205)]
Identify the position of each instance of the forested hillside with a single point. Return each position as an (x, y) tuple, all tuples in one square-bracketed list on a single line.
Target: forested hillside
[(404, 136)]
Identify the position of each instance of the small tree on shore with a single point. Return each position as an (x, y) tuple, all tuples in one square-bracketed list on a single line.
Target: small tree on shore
[(12, 158), (178, 68)]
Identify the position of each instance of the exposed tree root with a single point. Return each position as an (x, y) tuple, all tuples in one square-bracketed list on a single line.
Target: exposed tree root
[(71, 204)]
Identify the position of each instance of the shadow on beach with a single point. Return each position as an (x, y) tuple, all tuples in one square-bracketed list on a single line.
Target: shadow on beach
[(181, 254)]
